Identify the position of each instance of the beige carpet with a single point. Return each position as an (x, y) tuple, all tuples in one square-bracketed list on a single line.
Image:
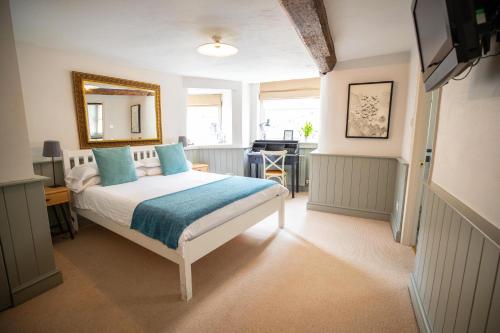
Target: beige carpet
[(322, 273)]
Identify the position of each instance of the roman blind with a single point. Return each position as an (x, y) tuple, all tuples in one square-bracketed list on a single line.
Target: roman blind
[(205, 100), (290, 89)]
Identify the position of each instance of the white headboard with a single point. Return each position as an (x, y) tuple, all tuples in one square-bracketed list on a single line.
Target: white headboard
[(72, 158)]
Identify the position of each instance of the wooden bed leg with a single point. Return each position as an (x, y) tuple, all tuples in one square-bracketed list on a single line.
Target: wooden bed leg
[(281, 213), (186, 283)]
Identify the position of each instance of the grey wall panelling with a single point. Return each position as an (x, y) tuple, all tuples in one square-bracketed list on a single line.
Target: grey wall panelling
[(45, 169), (25, 240), (353, 185), (455, 286), (220, 160), (5, 296)]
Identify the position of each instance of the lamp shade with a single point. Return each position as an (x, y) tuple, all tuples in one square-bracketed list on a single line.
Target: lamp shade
[(51, 148), (183, 140)]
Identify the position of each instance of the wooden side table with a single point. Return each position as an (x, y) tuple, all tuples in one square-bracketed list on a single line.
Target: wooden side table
[(200, 167), (59, 197)]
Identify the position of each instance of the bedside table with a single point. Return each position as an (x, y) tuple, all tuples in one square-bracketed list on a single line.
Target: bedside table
[(200, 167), (58, 197)]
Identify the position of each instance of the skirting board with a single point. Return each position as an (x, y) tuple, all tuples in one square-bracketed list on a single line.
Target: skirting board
[(34, 288), (418, 307), (350, 212)]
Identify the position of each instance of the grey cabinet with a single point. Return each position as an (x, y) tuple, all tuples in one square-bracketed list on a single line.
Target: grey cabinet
[(28, 261)]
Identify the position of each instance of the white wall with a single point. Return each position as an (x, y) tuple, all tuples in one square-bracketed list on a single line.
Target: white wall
[(48, 92), (334, 91), (14, 143), (254, 110), (467, 155)]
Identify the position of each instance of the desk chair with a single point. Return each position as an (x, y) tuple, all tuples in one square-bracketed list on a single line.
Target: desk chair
[(273, 167)]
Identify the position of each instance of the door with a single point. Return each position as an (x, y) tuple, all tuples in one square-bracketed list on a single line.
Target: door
[(427, 155)]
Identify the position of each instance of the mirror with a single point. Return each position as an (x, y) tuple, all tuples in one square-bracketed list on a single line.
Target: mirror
[(116, 112)]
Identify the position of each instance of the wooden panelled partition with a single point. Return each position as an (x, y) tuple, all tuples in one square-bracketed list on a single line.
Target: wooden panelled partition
[(353, 185), (26, 245), (220, 160), (456, 283)]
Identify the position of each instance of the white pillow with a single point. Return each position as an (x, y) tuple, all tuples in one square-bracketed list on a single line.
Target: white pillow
[(90, 182), (154, 162), (79, 174), (140, 172), (85, 175), (155, 171), (151, 162)]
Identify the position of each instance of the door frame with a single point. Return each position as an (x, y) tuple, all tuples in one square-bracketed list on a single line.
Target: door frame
[(413, 194)]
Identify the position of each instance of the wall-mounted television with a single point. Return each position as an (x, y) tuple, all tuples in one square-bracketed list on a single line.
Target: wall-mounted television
[(452, 35)]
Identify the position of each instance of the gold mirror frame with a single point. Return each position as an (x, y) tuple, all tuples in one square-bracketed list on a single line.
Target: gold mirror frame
[(81, 110)]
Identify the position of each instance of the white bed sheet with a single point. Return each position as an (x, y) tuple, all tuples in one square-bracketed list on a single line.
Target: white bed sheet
[(118, 202)]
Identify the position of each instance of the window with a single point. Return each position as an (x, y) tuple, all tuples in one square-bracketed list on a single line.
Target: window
[(289, 114), (209, 116), (204, 124), (94, 111)]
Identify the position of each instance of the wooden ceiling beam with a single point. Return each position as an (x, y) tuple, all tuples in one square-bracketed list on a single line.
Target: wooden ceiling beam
[(311, 23)]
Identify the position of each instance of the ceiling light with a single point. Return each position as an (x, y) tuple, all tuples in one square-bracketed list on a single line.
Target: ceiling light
[(217, 49)]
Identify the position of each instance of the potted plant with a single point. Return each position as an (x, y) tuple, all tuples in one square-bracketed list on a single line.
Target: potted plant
[(307, 129)]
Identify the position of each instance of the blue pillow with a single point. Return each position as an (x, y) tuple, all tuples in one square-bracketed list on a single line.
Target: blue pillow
[(172, 159), (115, 165)]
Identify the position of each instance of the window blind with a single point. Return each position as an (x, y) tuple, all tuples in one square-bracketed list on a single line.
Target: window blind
[(303, 88), (205, 100)]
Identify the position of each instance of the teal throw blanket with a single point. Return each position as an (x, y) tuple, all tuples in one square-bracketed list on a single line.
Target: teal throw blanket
[(165, 218)]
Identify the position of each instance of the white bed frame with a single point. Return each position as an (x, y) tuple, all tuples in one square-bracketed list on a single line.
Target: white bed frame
[(193, 249)]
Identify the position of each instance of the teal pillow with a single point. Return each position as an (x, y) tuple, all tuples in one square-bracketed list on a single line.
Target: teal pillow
[(115, 165), (172, 159)]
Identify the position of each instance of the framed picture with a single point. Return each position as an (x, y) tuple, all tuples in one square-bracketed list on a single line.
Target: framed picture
[(288, 135), (369, 110), (135, 123)]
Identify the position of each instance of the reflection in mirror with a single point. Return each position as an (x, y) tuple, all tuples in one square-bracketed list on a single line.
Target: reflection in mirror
[(115, 112), (94, 112), (119, 113)]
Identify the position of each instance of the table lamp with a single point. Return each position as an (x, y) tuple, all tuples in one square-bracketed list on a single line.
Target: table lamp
[(52, 148)]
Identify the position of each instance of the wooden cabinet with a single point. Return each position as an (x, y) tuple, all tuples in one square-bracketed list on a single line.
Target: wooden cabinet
[(56, 195), (200, 167)]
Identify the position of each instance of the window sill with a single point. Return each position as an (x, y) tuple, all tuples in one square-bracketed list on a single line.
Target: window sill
[(220, 146)]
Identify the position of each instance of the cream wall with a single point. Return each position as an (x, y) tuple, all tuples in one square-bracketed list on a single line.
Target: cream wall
[(14, 143), (467, 154), (48, 95), (409, 123), (334, 91)]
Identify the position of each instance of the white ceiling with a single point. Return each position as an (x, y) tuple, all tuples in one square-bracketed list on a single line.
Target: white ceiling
[(163, 34), (366, 28)]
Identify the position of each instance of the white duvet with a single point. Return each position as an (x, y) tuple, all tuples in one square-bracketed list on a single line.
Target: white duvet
[(118, 202)]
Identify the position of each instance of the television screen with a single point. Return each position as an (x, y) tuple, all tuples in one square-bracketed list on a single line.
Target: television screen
[(451, 35), (431, 21)]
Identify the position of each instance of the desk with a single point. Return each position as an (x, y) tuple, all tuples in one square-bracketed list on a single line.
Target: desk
[(291, 160)]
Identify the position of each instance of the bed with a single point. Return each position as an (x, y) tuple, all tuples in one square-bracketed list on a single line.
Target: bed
[(113, 206)]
